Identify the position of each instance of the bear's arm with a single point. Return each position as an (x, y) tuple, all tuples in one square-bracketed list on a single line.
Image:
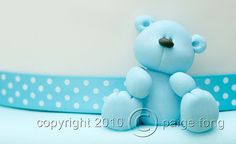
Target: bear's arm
[(138, 82), (182, 83)]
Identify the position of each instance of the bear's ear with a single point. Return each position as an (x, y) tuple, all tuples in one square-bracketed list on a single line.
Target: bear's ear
[(199, 44), (143, 22)]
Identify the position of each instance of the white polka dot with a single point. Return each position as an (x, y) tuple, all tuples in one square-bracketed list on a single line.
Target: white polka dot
[(49, 81), (233, 87), (10, 85), (233, 102), (217, 103), (4, 92), (58, 104), (86, 98), (76, 90), (67, 97), (207, 81), (76, 105), (86, 82), (17, 78), (116, 90), (40, 88), (95, 90), (225, 80), (25, 87), (106, 83), (58, 89), (49, 97), (33, 80), (17, 94), (10, 100), (3, 77), (225, 95), (95, 106), (41, 103), (67, 82), (32, 95), (25, 102), (216, 88)]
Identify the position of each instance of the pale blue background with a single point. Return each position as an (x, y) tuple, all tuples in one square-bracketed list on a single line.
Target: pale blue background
[(20, 127)]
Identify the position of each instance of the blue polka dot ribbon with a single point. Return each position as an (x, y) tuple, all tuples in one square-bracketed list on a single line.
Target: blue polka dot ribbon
[(86, 94)]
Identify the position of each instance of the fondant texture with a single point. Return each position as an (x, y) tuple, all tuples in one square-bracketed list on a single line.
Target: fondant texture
[(120, 101), (166, 51), (182, 83), (138, 82), (23, 126)]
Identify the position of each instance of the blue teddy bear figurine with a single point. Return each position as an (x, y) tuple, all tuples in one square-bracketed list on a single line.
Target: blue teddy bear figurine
[(166, 51)]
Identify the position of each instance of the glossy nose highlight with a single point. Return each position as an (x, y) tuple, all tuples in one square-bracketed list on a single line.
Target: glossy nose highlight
[(168, 43)]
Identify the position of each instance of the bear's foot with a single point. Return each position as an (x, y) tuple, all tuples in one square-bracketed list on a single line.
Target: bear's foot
[(199, 111), (121, 111)]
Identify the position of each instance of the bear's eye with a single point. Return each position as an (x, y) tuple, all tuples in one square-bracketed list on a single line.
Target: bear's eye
[(168, 43)]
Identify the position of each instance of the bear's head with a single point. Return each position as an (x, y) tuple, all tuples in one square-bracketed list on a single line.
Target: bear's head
[(165, 46)]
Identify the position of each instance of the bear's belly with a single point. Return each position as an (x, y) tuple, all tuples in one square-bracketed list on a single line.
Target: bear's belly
[(162, 101)]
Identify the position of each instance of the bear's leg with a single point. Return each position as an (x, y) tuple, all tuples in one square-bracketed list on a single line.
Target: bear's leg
[(121, 111), (199, 111)]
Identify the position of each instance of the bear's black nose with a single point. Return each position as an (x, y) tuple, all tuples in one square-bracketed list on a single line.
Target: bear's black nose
[(168, 43)]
